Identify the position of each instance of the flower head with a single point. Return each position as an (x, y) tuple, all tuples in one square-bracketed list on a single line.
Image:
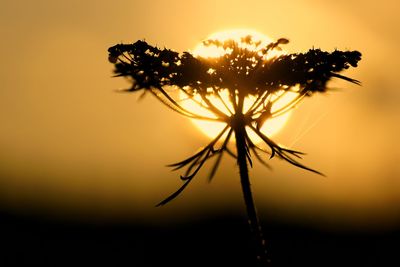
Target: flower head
[(246, 68)]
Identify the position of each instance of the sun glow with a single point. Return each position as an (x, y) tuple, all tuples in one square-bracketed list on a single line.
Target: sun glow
[(212, 129)]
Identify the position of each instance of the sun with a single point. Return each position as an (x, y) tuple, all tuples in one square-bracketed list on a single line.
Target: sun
[(212, 129)]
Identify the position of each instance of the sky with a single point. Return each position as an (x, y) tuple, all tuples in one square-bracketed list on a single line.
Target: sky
[(71, 145)]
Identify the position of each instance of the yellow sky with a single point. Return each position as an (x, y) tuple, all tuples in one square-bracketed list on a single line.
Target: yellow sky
[(69, 142)]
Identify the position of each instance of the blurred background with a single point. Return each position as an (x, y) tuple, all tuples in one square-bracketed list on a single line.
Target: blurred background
[(82, 166)]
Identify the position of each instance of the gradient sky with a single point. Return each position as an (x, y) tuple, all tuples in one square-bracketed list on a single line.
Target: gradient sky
[(70, 144)]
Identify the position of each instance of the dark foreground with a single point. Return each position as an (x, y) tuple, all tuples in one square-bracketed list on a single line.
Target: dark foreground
[(222, 241)]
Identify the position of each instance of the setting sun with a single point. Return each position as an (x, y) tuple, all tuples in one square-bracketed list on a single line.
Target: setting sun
[(211, 129)]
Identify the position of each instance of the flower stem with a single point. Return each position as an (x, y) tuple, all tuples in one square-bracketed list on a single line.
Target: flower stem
[(254, 223)]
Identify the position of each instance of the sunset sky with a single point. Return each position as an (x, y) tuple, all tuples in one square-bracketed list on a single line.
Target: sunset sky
[(71, 145)]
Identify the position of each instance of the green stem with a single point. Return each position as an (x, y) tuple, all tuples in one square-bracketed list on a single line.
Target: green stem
[(254, 223)]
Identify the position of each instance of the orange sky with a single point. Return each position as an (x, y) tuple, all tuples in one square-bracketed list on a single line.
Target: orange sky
[(69, 142)]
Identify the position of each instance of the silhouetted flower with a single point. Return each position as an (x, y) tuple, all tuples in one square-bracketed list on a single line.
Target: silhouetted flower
[(242, 72), (245, 69)]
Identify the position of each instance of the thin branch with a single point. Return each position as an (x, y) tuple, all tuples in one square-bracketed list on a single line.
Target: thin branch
[(222, 100), (288, 106), (254, 148), (192, 98), (213, 108), (230, 153), (196, 161), (174, 195), (258, 103), (130, 59), (172, 104), (283, 153), (183, 163), (220, 153)]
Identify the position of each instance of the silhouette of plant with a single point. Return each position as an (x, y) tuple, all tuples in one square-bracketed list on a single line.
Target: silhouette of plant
[(245, 69)]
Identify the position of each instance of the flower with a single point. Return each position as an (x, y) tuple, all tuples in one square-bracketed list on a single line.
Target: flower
[(245, 69)]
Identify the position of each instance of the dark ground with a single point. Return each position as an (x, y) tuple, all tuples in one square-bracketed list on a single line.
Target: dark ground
[(223, 241)]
